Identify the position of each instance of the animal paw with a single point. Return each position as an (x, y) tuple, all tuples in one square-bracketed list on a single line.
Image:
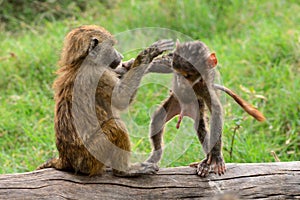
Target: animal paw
[(213, 163), (218, 165), (160, 46), (146, 168), (203, 168)]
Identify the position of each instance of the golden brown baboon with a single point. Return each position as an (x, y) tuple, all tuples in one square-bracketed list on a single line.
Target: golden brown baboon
[(88, 96)]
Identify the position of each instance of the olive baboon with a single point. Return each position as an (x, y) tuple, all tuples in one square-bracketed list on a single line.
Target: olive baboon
[(89, 132), (193, 88)]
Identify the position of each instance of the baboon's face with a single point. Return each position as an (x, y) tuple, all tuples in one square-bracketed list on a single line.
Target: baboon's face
[(108, 55), (80, 41), (185, 69), (193, 60)]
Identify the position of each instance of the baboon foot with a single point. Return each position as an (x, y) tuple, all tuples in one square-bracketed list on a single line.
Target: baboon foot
[(138, 169), (211, 163)]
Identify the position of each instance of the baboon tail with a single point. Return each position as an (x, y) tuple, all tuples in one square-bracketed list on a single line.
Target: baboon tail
[(51, 163), (244, 104)]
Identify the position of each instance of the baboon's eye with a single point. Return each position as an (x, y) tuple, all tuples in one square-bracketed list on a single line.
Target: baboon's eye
[(94, 42)]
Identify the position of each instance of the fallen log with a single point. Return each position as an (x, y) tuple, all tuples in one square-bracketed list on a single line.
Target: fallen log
[(279, 180)]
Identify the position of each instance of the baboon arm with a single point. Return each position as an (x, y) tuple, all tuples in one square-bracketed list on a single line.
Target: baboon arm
[(216, 122), (126, 88), (161, 65)]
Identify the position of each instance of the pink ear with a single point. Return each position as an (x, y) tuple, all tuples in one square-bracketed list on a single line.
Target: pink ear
[(212, 60), (177, 43)]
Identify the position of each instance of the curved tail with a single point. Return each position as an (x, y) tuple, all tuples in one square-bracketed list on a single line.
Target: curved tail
[(52, 163), (244, 104)]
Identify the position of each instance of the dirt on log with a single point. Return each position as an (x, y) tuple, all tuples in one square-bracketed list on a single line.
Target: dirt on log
[(279, 180)]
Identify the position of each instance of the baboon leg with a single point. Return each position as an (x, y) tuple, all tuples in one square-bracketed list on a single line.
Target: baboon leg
[(121, 161), (97, 168), (162, 115), (115, 146), (200, 126), (116, 149), (213, 147)]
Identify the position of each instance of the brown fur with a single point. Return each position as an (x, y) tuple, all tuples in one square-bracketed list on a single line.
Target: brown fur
[(80, 50), (72, 153)]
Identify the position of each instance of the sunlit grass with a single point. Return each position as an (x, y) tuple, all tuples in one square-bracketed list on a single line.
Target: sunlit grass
[(258, 47)]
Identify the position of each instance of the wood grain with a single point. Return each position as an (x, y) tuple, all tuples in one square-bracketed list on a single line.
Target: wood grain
[(279, 180)]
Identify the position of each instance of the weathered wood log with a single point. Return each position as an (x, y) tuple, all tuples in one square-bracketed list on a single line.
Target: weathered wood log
[(244, 181)]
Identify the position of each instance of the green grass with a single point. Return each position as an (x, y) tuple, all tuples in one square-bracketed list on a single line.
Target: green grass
[(258, 47)]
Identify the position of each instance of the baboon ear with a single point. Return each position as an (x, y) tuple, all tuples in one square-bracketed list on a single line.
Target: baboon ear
[(212, 60), (177, 43), (94, 42)]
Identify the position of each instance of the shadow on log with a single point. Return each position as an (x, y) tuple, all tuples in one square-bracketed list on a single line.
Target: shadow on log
[(242, 181)]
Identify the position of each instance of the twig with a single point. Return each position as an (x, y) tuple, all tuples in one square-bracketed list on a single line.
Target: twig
[(275, 156), (235, 129)]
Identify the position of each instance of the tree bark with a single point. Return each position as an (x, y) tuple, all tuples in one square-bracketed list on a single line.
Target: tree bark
[(279, 180)]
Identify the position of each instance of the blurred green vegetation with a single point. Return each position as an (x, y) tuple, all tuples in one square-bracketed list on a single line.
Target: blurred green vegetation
[(257, 44)]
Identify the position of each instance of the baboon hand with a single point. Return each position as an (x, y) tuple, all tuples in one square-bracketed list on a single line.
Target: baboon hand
[(157, 48), (160, 46)]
